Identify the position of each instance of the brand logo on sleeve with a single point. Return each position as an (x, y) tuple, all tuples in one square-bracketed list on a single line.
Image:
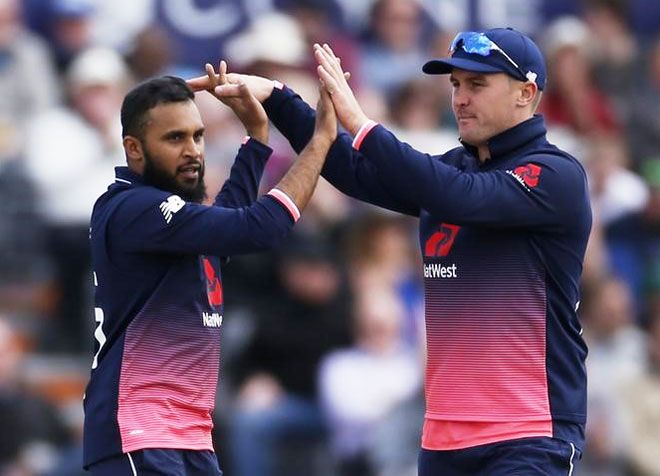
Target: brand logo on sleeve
[(169, 207), (527, 175), (441, 242)]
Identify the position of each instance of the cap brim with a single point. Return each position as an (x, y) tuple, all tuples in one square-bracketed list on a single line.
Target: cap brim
[(445, 66)]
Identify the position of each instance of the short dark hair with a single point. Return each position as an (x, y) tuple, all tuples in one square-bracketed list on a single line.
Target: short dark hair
[(148, 95)]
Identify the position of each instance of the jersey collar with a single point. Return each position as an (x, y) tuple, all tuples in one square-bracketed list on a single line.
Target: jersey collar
[(125, 176), (507, 142)]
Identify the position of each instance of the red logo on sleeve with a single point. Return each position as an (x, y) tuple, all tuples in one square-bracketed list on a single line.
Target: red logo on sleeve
[(213, 284), (529, 174), (440, 242)]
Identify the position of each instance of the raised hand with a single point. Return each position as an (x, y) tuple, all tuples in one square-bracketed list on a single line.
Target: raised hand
[(239, 98), (334, 79), (325, 127), (299, 182), (260, 87)]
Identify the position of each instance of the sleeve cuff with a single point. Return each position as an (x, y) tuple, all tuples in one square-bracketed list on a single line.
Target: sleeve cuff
[(251, 142), (362, 133), (278, 96), (286, 201)]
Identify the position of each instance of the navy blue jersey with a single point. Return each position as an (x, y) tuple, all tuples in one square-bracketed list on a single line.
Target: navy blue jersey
[(159, 304), (503, 244)]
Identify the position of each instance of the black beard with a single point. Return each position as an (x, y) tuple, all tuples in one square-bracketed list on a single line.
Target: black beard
[(156, 177)]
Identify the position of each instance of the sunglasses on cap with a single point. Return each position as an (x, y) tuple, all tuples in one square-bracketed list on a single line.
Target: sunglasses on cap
[(477, 43)]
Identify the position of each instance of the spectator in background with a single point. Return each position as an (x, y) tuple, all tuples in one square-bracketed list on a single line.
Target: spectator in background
[(315, 22), (640, 408), (68, 29), (416, 117), (380, 255), (149, 53), (31, 430), (25, 272), (76, 144), (616, 190), (614, 52), (634, 242), (259, 52), (284, 56), (616, 356), (361, 385), (650, 230), (618, 196), (572, 100), (392, 53), (25, 93), (643, 124), (318, 26), (302, 319)]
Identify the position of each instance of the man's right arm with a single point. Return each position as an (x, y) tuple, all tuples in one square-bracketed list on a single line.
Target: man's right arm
[(345, 168), (154, 221)]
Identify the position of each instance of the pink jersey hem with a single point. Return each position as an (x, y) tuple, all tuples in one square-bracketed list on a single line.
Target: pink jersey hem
[(441, 435)]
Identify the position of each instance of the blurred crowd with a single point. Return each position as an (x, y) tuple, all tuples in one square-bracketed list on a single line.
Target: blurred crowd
[(323, 340)]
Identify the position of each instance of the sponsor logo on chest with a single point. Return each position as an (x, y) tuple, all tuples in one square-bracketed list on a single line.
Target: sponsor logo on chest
[(437, 270), (211, 319)]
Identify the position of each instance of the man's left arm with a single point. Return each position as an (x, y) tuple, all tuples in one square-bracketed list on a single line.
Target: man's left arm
[(546, 190), (242, 187)]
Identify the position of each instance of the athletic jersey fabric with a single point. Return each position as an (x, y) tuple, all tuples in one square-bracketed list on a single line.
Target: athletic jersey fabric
[(159, 304), (503, 243)]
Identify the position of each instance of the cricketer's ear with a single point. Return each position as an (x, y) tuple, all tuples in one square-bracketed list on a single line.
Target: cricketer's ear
[(529, 93), (134, 154)]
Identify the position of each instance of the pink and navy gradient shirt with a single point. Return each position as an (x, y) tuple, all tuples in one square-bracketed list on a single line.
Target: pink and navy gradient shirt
[(159, 304), (503, 244)]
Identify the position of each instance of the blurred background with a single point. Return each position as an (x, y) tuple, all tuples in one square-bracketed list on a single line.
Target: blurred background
[(323, 339)]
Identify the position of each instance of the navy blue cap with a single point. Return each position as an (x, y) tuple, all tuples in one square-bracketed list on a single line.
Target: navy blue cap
[(519, 47)]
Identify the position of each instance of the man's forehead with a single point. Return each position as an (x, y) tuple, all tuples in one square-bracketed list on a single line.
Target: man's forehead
[(182, 114)]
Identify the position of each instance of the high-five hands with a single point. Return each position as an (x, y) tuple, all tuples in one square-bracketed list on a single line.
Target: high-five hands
[(334, 79), (325, 128)]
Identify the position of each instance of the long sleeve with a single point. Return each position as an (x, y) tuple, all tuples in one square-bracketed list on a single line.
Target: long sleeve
[(150, 220), (345, 168), (540, 191), (242, 186)]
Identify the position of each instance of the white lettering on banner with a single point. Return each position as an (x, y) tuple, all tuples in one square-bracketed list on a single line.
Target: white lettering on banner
[(202, 22), (211, 319), (436, 270)]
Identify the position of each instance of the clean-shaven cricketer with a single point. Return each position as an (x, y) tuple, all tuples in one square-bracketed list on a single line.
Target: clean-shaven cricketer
[(156, 253), (504, 223)]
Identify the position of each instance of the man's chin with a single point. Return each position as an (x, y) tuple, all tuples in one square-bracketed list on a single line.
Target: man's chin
[(195, 192), (191, 189)]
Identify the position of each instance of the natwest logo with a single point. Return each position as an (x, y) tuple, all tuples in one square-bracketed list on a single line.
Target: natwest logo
[(440, 242), (436, 270), (212, 319)]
